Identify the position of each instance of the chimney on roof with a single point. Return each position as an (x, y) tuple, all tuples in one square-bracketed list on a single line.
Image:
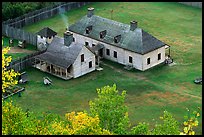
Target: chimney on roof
[(90, 12), (133, 25), (68, 38)]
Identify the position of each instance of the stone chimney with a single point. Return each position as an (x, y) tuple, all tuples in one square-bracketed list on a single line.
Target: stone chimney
[(68, 38), (90, 12), (133, 25)]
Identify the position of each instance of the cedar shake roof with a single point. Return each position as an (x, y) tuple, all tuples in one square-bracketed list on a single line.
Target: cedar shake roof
[(137, 41), (47, 32), (60, 55)]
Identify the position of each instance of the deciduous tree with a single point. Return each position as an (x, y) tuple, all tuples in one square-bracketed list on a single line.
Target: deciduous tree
[(111, 110), (8, 76)]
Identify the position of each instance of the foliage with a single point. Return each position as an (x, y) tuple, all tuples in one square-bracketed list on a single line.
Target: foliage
[(191, 120), (17, 122), (140, 129), (110, 108), (169, 127), (8, 76), (12, 10), (186, 45), (82, 124)]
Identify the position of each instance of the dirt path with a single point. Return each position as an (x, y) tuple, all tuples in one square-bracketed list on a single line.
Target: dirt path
[(126, 73), (19, 50)]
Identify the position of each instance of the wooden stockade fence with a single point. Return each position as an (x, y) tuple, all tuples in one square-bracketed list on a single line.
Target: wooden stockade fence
[(23, 63), (19, 34), (44, 13), (11, 28)]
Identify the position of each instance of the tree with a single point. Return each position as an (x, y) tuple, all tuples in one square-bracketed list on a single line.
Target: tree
[(11, 10), (8, 76), (111, 110), (191, 120), (170, 126), (17, 122), (140, 129), (83, 124)]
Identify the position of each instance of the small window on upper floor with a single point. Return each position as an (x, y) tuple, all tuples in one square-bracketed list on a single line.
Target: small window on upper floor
[(41, 37), (88, 29), (73, 39), (90, 64), (102, 34), (117, 38), (82, 58), (86, 43), (49, 37)]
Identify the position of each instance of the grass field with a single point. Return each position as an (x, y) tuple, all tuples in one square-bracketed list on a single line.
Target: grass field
[(15, 56), (149, 93)]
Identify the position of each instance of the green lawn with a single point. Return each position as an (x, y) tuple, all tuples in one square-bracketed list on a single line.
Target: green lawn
[(149, 93), (16, 56), (15, 44)]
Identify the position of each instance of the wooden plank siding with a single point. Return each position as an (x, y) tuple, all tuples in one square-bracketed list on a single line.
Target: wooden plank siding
[(82, 68)]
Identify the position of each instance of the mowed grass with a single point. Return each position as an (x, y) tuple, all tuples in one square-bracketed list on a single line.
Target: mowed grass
[(16, 56), (149, 93)]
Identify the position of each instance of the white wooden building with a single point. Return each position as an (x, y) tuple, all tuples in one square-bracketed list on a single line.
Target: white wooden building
[(122, 43), (45, 37), (65, 58)]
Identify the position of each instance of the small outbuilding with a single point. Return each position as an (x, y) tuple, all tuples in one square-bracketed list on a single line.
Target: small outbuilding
[(45, 36)]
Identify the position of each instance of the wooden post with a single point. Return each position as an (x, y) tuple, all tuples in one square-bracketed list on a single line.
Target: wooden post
[(50, 68), (98, 59), (66, 73), (35, 62), (169, 52), (40, 65)]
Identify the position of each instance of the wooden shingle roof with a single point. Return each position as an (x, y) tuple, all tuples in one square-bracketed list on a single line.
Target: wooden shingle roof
[(137, 41), (60, 55), (47, 32)]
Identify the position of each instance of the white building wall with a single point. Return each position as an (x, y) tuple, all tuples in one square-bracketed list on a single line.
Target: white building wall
[(136, 59), (81, 68), (153, 58), (44, 39), (81, 39), (122, 55), (41, 40), (139, 61)]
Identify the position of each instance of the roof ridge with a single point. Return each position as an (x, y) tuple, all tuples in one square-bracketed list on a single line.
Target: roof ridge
[(111, 20), (137, 41)]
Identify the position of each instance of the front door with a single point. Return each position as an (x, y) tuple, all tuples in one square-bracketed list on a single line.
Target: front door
[(100, 52)]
